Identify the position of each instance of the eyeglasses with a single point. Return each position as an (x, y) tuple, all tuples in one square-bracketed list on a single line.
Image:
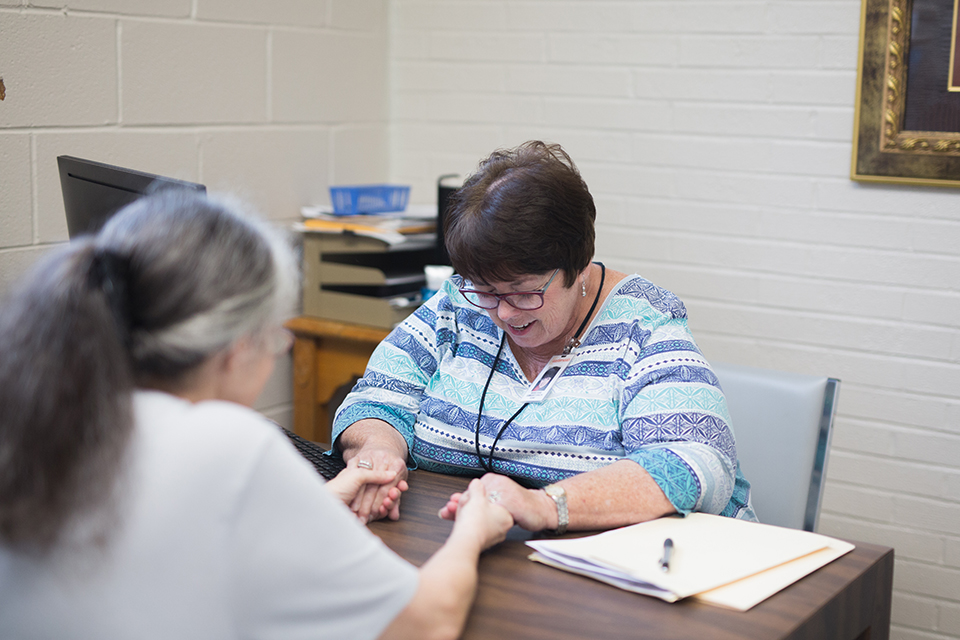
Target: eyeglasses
[(523, 300)]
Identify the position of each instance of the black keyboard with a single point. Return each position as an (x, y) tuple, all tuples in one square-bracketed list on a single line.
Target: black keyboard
[(327, 466)]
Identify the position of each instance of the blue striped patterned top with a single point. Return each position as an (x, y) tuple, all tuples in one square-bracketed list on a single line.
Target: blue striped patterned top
[(638, 388)]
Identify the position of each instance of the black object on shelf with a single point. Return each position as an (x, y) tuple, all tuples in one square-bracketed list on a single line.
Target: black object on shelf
[(444, 191)]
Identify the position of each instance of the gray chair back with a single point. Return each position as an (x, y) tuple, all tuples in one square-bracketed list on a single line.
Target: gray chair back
[(782, 422)]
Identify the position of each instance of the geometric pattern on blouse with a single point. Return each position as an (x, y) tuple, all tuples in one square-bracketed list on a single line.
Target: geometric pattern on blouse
[(636, 388), (683, 427), (739, 505), (673, 475)]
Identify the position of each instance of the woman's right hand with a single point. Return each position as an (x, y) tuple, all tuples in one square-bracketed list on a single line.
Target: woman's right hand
[(351, 480), (381, 448), (379, 500)]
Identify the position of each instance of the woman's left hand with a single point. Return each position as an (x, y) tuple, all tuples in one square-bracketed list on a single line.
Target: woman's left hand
[(532, 509), (351, 480)]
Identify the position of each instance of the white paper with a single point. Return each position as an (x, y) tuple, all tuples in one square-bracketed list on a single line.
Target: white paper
[(709, 552), (389, 237)]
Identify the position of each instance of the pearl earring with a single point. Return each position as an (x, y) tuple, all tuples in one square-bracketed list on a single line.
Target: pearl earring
[(583, 288)]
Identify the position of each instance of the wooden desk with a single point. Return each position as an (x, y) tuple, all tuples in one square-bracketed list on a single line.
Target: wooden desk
[(849, 599), (326, 355)]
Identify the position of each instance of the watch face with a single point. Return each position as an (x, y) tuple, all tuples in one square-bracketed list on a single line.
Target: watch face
[(554, 490)]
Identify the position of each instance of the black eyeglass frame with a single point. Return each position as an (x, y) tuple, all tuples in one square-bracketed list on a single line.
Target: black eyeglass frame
[(506, 296)]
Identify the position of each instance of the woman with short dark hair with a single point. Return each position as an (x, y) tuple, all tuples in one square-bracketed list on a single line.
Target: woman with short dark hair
[(524, 211), (140, 497), (633, 424)]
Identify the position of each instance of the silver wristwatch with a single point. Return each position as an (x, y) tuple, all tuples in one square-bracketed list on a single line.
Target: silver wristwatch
[(559, 496)]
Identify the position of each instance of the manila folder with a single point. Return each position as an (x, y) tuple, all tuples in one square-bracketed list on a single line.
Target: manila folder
[(709, 552)]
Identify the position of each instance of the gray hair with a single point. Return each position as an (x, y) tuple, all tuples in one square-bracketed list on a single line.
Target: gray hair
[(171, 279), (202, 273)]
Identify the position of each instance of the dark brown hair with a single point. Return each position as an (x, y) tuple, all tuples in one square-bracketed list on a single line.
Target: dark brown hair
[(524, 211)]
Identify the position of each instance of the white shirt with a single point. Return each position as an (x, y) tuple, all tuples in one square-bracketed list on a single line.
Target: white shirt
[(223, 531)]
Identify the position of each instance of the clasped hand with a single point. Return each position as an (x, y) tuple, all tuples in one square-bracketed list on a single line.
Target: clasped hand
[(372, 490), (498, 499), (485, 521), (532, 509)]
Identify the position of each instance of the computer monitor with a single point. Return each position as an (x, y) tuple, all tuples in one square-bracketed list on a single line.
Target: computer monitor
[(94, 191)]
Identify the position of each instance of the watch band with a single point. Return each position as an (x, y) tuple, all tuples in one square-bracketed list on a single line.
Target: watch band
[(559, 496)]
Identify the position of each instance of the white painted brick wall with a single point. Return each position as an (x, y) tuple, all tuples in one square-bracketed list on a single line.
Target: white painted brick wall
[(275, 170), (363, 15), (66, 66), (271, 101), (15, 197), (189, 73), (312, 83), (715, 136), (304, 13), (164, 8)]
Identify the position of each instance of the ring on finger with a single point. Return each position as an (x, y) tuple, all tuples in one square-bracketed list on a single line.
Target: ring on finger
[(365, 464), (494, 496)]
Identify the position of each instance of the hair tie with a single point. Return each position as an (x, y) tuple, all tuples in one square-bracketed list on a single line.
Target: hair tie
[(109, 272)]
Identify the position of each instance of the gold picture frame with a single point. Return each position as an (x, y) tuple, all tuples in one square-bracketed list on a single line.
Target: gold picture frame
[(897, 124)]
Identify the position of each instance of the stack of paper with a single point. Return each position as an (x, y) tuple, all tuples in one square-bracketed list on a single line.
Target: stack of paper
[(723, 561), (413, 211), (392, 228)]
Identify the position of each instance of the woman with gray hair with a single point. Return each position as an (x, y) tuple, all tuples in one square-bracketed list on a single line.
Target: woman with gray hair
[(140, 496)]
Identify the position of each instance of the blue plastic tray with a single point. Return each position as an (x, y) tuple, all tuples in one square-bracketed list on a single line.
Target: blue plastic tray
[(369, 198)]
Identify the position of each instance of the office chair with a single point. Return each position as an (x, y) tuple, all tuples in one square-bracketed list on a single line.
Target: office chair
[(782, 422)]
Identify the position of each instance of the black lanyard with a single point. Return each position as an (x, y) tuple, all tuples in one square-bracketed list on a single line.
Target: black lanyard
[(573, 344)]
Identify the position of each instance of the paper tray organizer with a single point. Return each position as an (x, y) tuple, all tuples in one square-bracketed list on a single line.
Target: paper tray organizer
[(362, 267)]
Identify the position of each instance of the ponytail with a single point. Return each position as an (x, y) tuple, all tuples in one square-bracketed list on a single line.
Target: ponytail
[(65, 393), (169, 281)]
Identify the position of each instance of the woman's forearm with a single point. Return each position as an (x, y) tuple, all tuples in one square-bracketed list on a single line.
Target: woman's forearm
[(448, 580), (371, 432), (378, 446), (439, 608), (616, 495), (613, 496)]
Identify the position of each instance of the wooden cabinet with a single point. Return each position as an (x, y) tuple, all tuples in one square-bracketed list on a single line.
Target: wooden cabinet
[(326, 355)]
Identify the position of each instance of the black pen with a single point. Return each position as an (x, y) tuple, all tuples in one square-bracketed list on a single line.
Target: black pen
[(667, 552)]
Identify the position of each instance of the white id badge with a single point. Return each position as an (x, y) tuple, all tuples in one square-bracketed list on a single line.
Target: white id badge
[(540, 387)]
